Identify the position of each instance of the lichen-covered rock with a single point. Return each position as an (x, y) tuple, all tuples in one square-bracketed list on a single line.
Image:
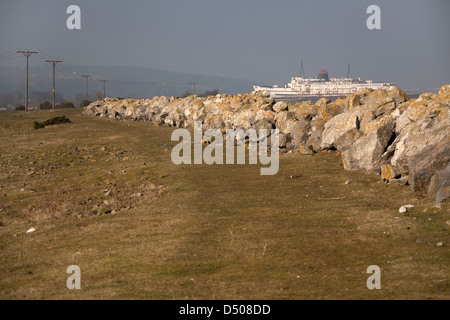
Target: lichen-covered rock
[(280, 106), (388, 172), (365, 152), (429, 170), (301, 132), (327, 109), (380, 97), (303, 110), (340, 124), (284, 140), (285, 121), (317, 126), (421, 149)]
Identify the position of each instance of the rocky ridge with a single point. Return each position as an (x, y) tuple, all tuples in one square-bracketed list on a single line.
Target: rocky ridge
[(377, 131)]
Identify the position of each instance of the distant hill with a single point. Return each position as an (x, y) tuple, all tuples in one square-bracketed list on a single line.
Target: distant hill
[(131, 82)]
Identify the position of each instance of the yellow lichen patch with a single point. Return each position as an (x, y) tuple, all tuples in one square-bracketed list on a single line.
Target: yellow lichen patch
[(330, 110), (354, 100), (376, 124), (427, 96), (444, 92), (387, 172), (305, 109), (417, 110)]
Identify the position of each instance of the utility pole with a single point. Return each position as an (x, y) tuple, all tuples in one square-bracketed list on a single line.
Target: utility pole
[(154, 83), (53, 62), (86, 76), (193, 85), (104, 87), (27, 54)]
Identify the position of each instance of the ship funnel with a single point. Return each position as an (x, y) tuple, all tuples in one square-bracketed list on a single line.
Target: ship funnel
[(323, 75)]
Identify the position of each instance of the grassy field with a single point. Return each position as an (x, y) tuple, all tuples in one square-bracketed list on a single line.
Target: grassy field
[(104, 195)]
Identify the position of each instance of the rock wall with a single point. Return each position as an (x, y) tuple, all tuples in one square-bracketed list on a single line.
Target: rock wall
[(377, 131)]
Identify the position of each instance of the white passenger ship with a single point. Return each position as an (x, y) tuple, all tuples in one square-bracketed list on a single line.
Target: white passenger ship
[(322, 86)]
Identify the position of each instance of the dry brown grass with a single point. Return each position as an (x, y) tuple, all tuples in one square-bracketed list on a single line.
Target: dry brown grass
[(217, 232)]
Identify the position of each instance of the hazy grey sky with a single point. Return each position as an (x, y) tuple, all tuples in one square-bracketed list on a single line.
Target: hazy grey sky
[(261, 40)]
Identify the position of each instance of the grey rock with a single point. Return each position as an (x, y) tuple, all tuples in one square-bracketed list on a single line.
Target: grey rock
[(301, 132), (284, 139), (285, 122), (280, 106), (366, 151)]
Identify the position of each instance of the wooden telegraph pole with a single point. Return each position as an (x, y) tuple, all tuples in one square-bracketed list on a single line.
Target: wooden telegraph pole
[(86, 76), (53, 62), (27, 54)]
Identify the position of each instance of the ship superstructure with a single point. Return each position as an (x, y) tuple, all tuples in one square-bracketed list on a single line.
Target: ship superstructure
[(322, 86)]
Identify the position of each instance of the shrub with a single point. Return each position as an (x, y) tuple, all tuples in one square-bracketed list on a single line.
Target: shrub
[(45, 105), (85, 103), (50, 122), (65, 105), (20, 108)]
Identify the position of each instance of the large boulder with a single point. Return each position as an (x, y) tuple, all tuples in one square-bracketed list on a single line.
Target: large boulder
[(327, 109), (429, 170), (301, 132), (284, 139), (380, 97), (366, 130), (421, 150), (317, 126), (280, 106), (365, 152), (285, 121), (340, 124), (303, 110)]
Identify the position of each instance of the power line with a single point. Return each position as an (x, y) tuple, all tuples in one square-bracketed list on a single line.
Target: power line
[(53, 62), (68, 69), (9, 58), (8, 54), (27, 54), (66, 66), (46, 55), (10, 51)]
